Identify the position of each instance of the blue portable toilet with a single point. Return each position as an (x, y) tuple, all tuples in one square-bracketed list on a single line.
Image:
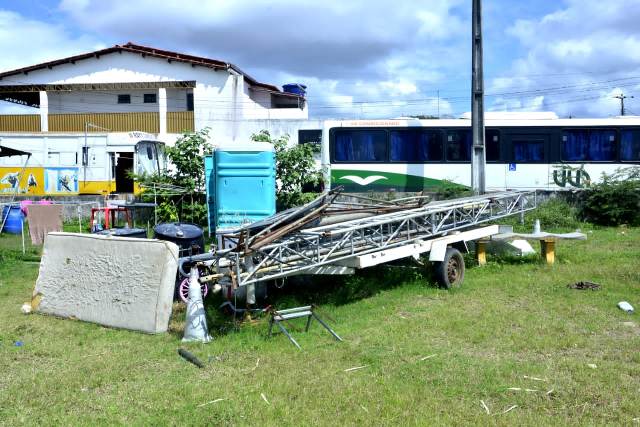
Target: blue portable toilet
[(241, 184)]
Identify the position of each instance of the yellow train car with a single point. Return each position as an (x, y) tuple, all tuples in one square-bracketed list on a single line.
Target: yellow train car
[(74, 164)]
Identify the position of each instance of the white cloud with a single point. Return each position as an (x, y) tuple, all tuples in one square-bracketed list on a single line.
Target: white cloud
[(366, 50), (26, 42), (574, 60)]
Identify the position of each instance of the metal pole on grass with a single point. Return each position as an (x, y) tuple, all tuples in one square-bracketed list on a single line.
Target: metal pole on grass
[(478, 159), (22, 232)]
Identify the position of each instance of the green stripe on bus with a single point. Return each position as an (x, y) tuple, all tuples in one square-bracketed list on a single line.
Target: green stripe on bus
[(373, 180)]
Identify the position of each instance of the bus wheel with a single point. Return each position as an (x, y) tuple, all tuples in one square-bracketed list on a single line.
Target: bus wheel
[(450, 272)]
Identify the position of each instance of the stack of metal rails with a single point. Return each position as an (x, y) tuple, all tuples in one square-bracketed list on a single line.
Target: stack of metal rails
[(345, 231)]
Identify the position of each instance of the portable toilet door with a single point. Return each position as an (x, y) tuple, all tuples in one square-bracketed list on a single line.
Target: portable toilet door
[(243, 184), (210, 191)]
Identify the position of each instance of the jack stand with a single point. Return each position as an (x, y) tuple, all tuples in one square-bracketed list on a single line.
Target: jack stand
[(278, 316)]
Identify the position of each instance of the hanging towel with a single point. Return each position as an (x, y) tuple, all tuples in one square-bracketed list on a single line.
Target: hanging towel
[(42, 220)]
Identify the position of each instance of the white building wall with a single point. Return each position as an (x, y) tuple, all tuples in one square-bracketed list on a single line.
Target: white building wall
[(220, 131), (232, 112), (104, 101), (213, 94)]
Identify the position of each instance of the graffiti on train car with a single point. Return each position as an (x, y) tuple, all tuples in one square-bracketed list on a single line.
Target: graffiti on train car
[(15, 180), (61, 180)]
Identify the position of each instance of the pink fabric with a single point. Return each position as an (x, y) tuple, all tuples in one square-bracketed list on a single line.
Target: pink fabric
[(24, 206)]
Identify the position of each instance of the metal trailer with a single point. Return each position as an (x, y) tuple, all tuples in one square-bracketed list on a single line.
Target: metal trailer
[(315, 239)]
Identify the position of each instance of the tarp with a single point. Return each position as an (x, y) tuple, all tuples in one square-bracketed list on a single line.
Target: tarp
[(8, 152)]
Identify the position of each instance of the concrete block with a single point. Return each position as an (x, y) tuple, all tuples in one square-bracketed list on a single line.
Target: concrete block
[(113, 281)]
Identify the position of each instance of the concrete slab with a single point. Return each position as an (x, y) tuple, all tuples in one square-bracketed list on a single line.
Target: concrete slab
[(113, 281)]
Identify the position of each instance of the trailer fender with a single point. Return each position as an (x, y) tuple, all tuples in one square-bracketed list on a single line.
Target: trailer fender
[(438, 251)]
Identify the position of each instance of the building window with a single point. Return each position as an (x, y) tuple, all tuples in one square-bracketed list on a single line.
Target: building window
[(630, 146), (459, 145), (581, 145), (360, 146), (528, 150), (310, 136), (416, 146), (189, 102), (124, 99), (150, 98)]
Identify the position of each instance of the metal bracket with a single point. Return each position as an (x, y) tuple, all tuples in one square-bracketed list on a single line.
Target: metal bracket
[(278, 316)]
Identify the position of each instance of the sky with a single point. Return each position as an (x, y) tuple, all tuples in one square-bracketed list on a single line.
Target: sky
[(366, 58)]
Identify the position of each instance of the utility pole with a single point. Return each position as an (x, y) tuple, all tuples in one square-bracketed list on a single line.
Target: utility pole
[(622, 97), (478, 158)]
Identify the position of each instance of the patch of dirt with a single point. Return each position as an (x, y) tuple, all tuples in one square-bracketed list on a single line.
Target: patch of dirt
[(584, 286)]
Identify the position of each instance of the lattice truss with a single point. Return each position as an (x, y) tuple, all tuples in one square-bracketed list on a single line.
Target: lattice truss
[(306, 249)]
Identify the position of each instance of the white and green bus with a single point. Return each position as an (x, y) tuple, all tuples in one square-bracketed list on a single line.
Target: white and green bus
[(523, 152)]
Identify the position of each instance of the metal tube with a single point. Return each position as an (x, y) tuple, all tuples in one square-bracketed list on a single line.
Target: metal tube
[(477, 103)]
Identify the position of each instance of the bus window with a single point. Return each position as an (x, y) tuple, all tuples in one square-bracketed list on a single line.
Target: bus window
[(492, 145), (528, 150), (630, 145), (588, 145), (459, 145), (415, 146), (360, 146)]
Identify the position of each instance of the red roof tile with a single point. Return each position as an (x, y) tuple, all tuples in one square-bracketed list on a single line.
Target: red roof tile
[(144, 51)]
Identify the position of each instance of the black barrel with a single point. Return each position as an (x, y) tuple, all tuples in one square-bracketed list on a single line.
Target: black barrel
[(188, 237), (139, 233)]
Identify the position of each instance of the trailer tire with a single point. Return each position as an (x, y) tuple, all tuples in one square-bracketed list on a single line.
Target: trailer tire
[(450, 272)]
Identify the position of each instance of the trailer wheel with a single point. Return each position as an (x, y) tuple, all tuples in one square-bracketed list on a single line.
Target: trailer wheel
[(450, 272)]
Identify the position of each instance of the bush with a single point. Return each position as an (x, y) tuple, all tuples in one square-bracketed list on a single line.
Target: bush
[(189, 203), (554, 214), (451, 190), (296, 171), (613, 201)]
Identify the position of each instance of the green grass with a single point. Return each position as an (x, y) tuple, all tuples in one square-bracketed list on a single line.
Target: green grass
[(511, 319)]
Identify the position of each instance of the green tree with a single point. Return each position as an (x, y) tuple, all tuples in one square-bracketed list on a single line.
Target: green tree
[(187, 157), (296, 172), (186, 171)]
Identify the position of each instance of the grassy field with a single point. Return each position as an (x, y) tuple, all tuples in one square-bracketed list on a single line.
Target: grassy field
[(429, 356)]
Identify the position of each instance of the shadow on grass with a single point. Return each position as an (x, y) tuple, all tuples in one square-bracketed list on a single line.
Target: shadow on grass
[(342, 290), (301, 291), (325, 290)]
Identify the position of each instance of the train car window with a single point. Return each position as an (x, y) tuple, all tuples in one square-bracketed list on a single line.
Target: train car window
[(528, 150), (492, 145), (459, 145), (630, 145), (596, 145), (416, 146), (360, 146)]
